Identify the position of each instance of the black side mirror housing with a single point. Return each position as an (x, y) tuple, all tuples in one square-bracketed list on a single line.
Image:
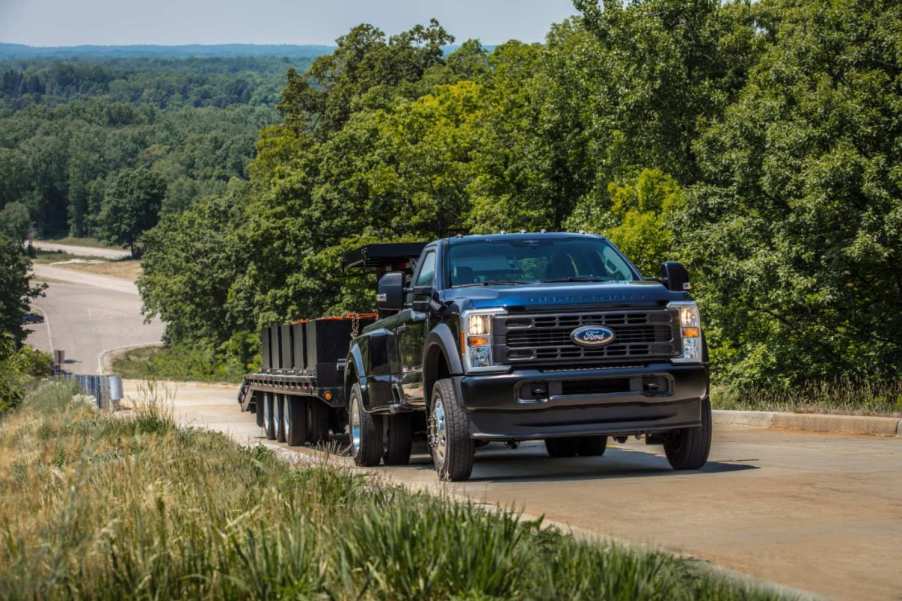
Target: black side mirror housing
[(390, 296), (675, 277)]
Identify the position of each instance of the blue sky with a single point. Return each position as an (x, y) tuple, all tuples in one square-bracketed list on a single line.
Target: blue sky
[(68, 22)]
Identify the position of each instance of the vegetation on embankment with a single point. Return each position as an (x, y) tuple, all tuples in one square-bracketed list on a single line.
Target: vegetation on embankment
[(180, 362), (840, 397), (102, 507)]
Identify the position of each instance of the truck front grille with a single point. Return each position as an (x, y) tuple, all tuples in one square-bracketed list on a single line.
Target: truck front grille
[(543, 339)]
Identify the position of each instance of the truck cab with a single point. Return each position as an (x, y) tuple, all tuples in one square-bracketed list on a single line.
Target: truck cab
[(514, 337)]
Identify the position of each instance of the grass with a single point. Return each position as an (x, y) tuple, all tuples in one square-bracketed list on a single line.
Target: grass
[(843, 397), (182, 362), (94, 506), (126, 269)]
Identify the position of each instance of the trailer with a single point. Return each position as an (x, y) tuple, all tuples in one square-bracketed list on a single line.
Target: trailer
[(298, 396)]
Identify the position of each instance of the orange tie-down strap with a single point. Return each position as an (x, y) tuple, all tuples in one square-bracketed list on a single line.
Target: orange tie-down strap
[(349, 315)]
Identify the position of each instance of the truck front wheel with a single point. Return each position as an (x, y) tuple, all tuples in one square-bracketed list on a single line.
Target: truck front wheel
[(449, 434), (688, 449), (364, 430)]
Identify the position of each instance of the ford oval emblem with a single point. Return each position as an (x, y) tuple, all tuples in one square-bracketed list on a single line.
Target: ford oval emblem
[(592, 336)]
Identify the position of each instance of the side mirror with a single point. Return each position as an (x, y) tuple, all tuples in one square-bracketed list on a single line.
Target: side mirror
[(390, 296), (675, 277)]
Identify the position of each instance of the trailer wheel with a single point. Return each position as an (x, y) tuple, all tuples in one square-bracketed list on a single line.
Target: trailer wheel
[(269, 426), (398, 439), (449, 434), (561, 447), (317, 421), (295, 421), (591, 446), (258, 408), (364, 430), (278, 416), (688, 449)]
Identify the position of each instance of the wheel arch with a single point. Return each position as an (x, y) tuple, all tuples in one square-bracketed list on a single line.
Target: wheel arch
[(440, 358)]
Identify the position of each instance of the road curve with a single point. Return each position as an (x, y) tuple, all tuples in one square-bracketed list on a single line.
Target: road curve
[(821, 513), (82, 251), (87, 315)]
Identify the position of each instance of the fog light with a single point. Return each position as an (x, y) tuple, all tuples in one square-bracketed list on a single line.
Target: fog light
[(539, 390)]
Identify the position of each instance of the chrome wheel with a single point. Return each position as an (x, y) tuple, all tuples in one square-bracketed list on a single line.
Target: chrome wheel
[(286, 418), (438, 434), (354, 425), (267, 413)]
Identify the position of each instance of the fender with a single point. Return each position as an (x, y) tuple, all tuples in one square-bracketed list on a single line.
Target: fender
[(355, 364), (440, 339)]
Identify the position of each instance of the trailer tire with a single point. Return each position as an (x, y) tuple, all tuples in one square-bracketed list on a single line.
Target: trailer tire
[(364, 430), (591, 446), (317, 421), (278, 416), (398, 439), (450, 444), (269, 426), (561, 447), (688, 449), (295, 421), (258, 407)]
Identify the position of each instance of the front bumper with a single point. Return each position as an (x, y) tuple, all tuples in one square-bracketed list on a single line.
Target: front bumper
[(583, 402)]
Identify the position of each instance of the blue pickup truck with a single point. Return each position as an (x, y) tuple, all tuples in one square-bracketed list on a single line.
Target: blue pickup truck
[(554, 337)]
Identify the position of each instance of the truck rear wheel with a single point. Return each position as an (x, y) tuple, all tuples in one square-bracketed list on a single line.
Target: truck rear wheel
[(258, 407), (398, 439), (278, 416), (364, 430), (269, 426), (318, 421), (561, 447), (688, 449), (295, 421), (591, 446), (449, 434)]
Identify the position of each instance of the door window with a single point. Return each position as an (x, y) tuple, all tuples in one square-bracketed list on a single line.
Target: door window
[(427, 271)]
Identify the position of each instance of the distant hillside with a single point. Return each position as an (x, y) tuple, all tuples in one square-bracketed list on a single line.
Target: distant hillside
[(21, 51)]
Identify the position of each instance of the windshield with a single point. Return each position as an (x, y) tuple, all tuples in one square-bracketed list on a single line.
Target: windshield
[(535, 260)]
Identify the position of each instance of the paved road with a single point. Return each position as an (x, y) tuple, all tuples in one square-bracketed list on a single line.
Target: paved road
[(817, 512), (82, 251), (87, 314)]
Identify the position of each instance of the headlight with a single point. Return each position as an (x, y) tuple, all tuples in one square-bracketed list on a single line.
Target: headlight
[(476, 340), (690, 326)]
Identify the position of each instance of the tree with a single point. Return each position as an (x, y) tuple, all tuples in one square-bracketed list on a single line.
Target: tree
[(131, 205), (796, 234), (15, 221), (16, 290)]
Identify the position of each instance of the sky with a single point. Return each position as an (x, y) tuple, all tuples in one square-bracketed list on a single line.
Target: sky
[(114, 22)]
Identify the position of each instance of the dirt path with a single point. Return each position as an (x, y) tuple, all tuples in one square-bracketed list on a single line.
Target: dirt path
[(821, 513), (82, 251)]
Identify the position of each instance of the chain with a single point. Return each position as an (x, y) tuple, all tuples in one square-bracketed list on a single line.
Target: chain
[(355, 325)]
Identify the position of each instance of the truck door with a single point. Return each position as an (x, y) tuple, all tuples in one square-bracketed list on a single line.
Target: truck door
[(411, 333)]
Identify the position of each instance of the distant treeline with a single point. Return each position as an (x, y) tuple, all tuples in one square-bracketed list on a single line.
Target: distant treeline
[(84, 141), (758, 142), (294, 52)]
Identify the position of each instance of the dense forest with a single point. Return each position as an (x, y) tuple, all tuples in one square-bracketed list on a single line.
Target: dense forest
[(87, 142), (758, 142)]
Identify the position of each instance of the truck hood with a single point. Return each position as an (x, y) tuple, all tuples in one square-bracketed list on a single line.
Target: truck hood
[(569, 295)]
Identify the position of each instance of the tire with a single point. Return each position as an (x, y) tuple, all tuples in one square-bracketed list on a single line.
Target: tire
[(269, 424), (450, 444), (365, 431), (561, 447), (295, 421), (591, 446), (398, 439), (688, 449), (317, 421), (258, 408), (278, 415)]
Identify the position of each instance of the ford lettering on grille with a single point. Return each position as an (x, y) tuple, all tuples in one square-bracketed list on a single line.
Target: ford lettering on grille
[(592, 336)]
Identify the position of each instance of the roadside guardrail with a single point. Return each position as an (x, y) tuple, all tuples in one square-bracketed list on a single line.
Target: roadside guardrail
[(107, 390)]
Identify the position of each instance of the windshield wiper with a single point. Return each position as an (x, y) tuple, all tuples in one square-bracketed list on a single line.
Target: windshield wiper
[(492, 283), (577, 278)]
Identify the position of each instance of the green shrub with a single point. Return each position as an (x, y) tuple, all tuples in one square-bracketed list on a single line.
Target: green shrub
[(184, 362)]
